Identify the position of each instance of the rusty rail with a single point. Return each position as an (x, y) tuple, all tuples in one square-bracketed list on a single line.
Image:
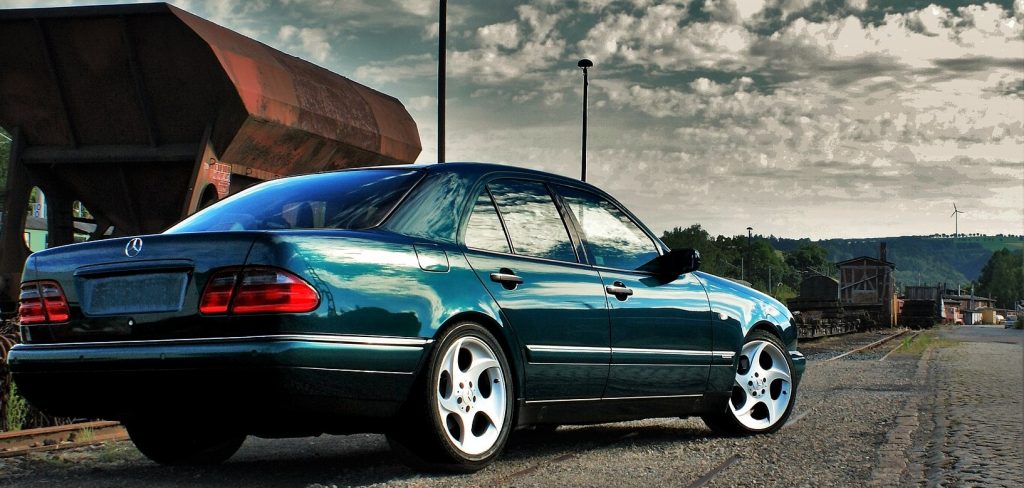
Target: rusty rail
[(22, 442)]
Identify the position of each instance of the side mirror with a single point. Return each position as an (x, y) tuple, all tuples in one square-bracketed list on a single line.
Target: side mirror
[(675, 263)]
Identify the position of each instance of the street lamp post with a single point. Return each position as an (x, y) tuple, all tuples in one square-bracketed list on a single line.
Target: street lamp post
[(584, 64), (750, 235), (442, 27)]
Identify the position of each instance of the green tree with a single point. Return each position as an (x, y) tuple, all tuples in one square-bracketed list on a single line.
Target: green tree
[(1002, 278), (809, 257), (695, 237)]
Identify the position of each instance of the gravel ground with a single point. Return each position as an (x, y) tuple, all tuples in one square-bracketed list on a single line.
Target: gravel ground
[(845, 411)]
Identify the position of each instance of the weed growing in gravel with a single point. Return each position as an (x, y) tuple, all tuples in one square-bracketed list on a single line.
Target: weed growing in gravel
[(84, 435), (920, 343), (17, 410)]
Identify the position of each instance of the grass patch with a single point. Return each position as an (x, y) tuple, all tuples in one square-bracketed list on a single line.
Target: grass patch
[(84, 435), (920, 343), (16, 413)]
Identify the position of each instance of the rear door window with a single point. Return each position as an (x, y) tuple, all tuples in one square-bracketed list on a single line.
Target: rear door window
[(532, 220), (484, 230)]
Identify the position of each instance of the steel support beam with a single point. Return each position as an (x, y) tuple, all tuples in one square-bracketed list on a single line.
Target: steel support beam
[(109, 154)]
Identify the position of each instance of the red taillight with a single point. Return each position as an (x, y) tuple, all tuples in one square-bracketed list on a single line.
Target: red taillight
[(42, 302), (217, 295), (258, 290)]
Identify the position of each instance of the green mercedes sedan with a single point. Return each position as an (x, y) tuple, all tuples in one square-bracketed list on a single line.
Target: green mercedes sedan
[(442, 305)]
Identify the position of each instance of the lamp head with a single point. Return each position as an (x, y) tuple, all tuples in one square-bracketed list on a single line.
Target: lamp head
[(585, 63)]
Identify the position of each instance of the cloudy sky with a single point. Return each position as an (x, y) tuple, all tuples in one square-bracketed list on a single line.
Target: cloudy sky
[(801, 118)]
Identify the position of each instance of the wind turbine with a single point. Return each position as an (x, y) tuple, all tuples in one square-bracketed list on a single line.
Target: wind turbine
[(956, 220)]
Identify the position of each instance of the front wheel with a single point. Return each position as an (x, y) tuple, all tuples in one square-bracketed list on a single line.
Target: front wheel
[(763, 392), (460, 413)]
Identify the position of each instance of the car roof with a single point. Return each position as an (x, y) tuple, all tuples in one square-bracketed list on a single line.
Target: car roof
[(473, 170)]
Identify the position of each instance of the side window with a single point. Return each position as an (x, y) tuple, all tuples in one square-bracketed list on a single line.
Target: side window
[(483, 231), (612, 239), (532, 220)]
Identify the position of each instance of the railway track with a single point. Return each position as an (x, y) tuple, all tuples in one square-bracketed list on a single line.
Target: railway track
[(69, 436)]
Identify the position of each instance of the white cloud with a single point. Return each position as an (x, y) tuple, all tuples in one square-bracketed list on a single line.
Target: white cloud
[(504, 34), (422, 103), (422, 8), (661, 38), (310, 42), (417, 66), (916, 39), (741, 11), (512, 51), (858, 5)]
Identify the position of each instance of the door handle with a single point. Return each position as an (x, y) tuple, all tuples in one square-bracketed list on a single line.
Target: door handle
[(620, 290), (507, 278)]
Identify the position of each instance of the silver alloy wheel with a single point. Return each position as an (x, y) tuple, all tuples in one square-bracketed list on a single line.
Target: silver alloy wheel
[(763, 388), (471, 399)]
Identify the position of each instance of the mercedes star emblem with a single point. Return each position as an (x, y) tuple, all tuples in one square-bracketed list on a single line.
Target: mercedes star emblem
[(133, 248)]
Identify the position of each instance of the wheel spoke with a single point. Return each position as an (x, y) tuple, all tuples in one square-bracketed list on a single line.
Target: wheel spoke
[(493, 407), (742, 379), (464, 425), (755, 354), (747, 407), (776, 374), (449, 404), (478, 368), (774, 409)]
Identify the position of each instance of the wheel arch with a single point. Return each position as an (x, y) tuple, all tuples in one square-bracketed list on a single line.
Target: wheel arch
[(767, 327), (500, 332)]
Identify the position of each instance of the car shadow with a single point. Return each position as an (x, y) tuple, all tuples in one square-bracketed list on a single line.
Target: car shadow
[(366, 459)]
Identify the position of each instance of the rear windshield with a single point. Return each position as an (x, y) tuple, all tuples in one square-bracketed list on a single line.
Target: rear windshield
[(342, 200)]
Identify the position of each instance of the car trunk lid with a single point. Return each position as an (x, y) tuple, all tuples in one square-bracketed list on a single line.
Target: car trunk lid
[(134, 288)]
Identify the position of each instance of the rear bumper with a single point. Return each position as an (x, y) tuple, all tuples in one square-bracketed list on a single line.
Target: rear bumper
[(244, 378)]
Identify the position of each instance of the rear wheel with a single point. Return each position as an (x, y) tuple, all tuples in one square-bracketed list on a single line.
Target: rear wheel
[(763, 392), (183, 445), (460, 414)]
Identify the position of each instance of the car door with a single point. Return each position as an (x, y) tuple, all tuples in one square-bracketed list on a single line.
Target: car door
[(519, 246), (660, 329)]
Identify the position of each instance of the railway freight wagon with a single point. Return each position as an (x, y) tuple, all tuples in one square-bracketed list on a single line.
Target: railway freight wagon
[(862, 298), (145, 113), (922, 307)]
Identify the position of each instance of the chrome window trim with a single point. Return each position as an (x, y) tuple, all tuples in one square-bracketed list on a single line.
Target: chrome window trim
[(328, 338)]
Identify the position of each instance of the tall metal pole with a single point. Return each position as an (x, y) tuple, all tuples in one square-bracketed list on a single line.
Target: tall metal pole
[(750, 236), (584, 64), (442, 29)]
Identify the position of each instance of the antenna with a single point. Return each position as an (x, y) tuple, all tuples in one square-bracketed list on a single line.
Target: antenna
[(956, 220)]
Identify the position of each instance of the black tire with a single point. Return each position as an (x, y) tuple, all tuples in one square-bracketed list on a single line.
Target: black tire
[(425, 436), (176, 445), (726, 421)]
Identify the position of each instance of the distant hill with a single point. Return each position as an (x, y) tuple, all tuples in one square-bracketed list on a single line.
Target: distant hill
[(919, 259)]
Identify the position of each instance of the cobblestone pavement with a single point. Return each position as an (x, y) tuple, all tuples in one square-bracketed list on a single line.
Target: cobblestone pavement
[(972, 431)]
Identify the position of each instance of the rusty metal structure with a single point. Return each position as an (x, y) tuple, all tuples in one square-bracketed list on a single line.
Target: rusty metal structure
[(145, 113)]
